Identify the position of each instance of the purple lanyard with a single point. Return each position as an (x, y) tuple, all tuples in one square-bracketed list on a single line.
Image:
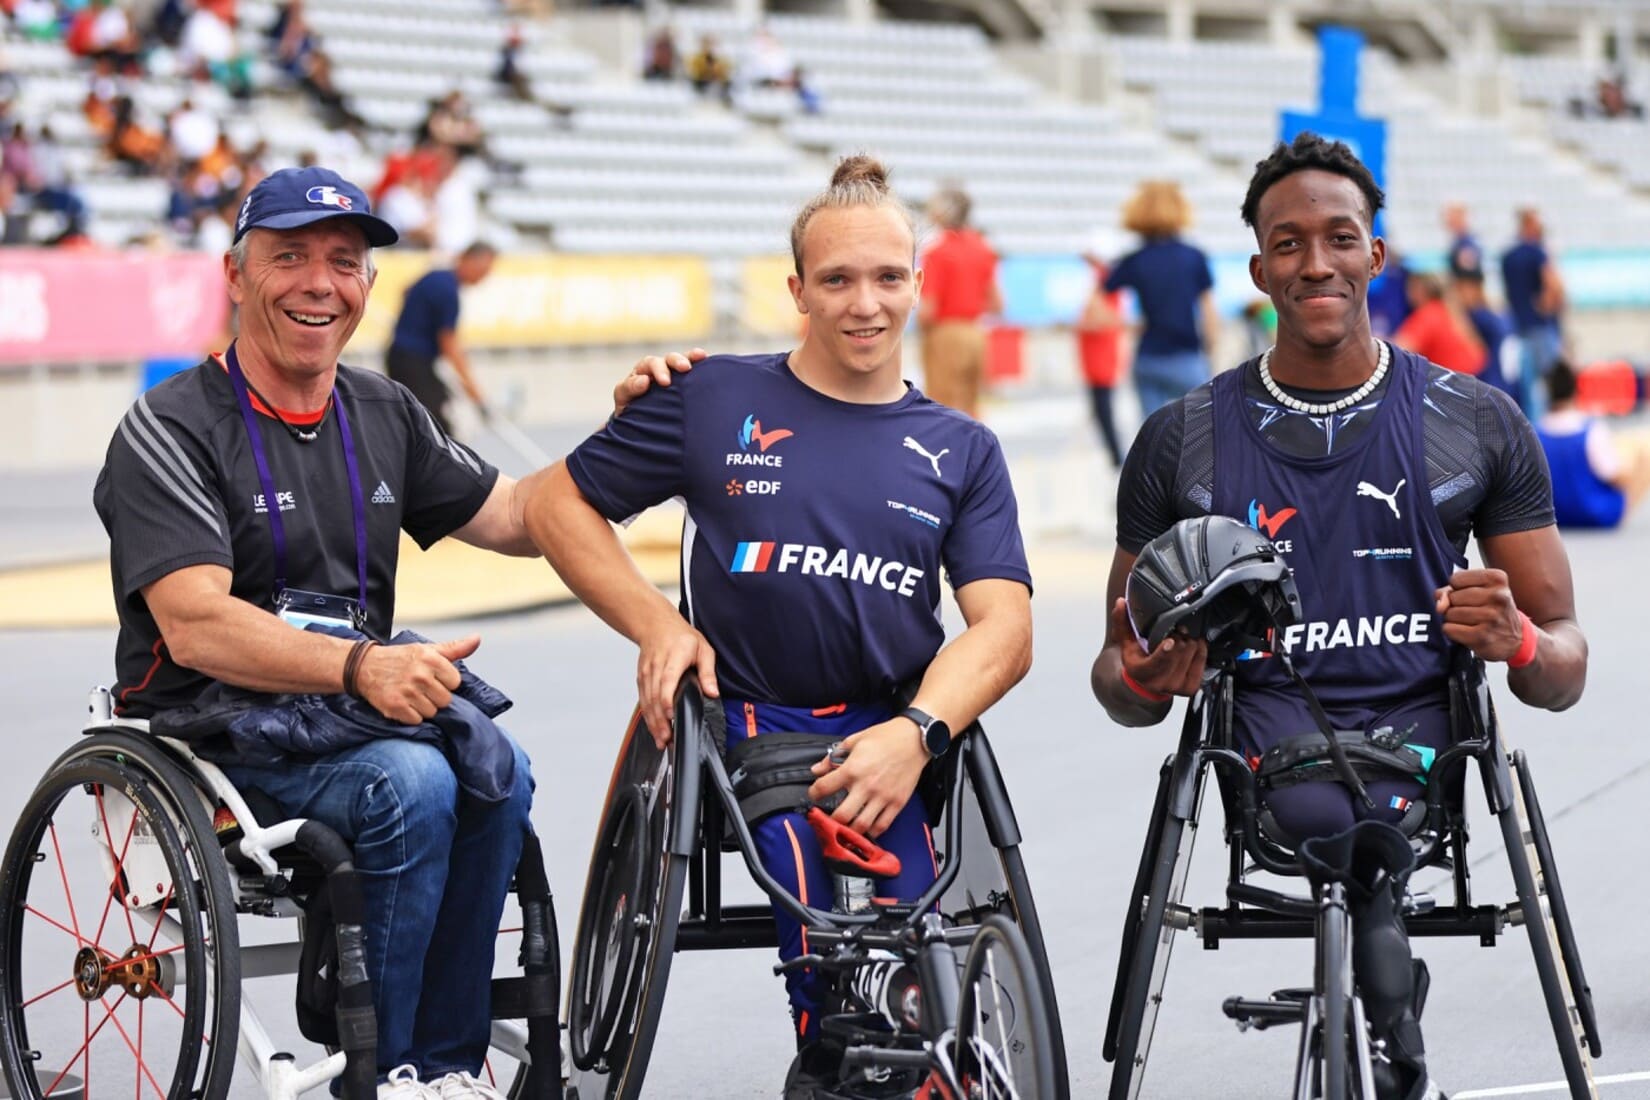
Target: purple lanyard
[(272, 505)]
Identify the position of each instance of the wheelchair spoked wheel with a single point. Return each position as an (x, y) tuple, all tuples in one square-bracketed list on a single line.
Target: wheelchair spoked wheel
[(1004, 1045), (121, 963), (644, 791), (1148, 939)]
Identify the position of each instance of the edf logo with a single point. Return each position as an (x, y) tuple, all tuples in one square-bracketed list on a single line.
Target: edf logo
[(328, 196)]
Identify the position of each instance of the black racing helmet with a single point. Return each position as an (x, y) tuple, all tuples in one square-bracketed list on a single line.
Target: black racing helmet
[(1213, 578)]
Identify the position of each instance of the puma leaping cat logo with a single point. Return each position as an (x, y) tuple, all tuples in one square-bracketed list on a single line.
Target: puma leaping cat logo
[(1365, 489), (933, 460)]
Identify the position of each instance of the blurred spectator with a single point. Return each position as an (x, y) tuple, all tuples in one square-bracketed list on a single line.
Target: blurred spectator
[(450, 123), (1535, 299), (37, 19), (709, 70), (1388, 295), (1598, 476), (14, 220), (166, 25), (208, 45), (40, 175), (409, 205), (806, 93), (318, 82), (959, 286), (1468, 288), (1100, 344), (428, 330), (1437, 328), (1464, 254), (509, 72), (1173, 287), (137, 147), (193, 131), (291, 40), (1260, 327), (660, 60), (103, 30), (766, 63), (1610, 100)]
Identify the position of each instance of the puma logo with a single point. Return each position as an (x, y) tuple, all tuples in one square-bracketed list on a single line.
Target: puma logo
[(1365, 489), (933, 460)]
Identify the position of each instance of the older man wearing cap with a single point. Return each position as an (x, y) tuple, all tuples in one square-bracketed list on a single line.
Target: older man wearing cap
[(272, 477)]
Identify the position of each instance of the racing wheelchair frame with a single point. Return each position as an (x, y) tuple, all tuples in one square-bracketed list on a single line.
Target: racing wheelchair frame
[(655, 888), (1335, 1050), (178, 853)]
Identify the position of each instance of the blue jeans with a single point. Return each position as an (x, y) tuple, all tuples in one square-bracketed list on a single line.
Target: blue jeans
[(1160, 379), (435, 867), (1539, 349)]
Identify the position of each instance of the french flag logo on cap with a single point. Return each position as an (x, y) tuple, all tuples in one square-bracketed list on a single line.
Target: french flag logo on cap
[(752, 557), (328, 196)]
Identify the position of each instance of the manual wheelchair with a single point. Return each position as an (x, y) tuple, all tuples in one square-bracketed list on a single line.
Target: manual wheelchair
[(655, 888), (119, 902), (1335, 1051)]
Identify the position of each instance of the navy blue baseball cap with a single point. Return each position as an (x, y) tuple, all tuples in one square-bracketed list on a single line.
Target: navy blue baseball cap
[(293, 197)]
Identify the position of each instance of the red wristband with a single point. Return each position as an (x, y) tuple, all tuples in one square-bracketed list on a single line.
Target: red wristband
[(1144, 693), (1526, 645)]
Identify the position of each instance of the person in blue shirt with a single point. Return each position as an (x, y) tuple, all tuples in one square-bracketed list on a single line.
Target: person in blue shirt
[(824, 497), (1535, 299), (1464, 256), (1174, 288), (1468, 285), (1598, 475), (427, 330)]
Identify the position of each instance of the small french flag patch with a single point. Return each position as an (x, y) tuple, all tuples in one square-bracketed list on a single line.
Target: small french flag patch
[(752, 557), (1398, 803)]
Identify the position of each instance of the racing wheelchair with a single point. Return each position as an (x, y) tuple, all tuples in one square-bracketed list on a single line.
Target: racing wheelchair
[(655, 888), (1233, 604), (122, 961)]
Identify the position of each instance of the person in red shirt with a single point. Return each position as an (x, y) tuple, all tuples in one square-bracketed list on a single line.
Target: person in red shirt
[(1438, 330), (959, 287), (1100, 344)]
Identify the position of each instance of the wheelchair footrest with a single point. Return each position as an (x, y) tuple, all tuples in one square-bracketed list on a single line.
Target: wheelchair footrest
[(532, 996), (1260, 1015)]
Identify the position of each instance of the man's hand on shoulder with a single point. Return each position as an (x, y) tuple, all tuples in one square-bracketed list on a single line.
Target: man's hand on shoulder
[(667, 652), (882, 767), (1480, 613), (409, 683), (1174, 668), (653, 370)]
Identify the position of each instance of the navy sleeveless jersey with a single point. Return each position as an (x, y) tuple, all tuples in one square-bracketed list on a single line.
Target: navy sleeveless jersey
[(816, 529), (1363, 537)]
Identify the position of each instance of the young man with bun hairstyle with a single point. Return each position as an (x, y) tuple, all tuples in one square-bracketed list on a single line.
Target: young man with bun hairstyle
[(1369, 468), (824, 497)]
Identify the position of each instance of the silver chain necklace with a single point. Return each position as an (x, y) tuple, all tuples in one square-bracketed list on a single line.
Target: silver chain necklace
[(1346, 402)]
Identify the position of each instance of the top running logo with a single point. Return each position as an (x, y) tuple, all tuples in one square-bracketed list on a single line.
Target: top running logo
[(328, 196), (751, 432), (933, 460)]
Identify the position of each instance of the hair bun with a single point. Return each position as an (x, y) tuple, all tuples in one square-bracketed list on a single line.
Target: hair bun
[(860, 169)]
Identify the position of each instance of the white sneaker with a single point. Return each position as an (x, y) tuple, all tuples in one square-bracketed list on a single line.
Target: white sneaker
[(405, 1085), (462, 1086)]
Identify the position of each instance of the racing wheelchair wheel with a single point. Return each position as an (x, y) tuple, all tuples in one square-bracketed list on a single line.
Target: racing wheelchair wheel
[(1004, 1045), (117, 926), (622, 950)]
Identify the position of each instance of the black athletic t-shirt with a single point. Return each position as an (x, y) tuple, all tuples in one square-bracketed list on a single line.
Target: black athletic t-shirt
[(1485, 467), (179, 487)]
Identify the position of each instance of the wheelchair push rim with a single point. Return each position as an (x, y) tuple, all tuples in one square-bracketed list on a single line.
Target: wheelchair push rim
[(1004, 1048), (116, 919)]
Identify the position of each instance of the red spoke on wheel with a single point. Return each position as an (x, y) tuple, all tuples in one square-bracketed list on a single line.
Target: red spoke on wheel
[(63, 874), (137, 1052), (167, 997), (78, 938), (159, 913), (91, 1033), (120, 866), (48, 993), (487, 1064)]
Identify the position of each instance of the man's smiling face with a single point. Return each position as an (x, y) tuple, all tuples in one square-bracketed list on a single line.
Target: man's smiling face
[(302, 293), (1317, 256)]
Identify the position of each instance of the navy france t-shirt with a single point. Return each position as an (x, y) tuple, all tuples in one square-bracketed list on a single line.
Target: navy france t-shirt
[(816, 529)]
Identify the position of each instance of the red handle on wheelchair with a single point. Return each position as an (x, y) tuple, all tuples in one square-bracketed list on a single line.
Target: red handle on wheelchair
[(844, 845)]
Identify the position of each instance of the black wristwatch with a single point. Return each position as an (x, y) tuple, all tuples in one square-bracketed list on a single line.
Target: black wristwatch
[(936, 735)]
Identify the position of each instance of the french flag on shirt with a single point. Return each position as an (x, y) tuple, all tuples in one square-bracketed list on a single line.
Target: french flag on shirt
[(752, 557)]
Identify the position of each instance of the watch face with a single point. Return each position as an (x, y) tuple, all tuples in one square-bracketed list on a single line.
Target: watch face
[(937, 737)]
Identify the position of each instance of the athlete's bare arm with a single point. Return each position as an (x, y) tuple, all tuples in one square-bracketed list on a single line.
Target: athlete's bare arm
[(219, 635), (1173, 668), (972, 672), (582, 547), (1525, 571)]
